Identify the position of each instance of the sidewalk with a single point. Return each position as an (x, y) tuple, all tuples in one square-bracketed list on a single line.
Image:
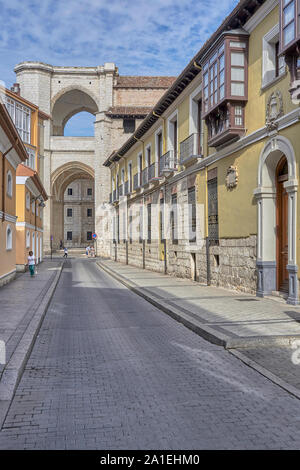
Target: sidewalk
[(259, 331), (23, 304)]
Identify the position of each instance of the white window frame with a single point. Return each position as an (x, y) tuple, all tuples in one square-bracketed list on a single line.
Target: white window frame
[(21, 117), (9, 238), (28, 239), (9, 184), (269, 58), (195, 96), (171, 119), (158, 131)]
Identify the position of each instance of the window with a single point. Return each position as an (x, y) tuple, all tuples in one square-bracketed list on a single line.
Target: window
[(69, 212), (9, 241), (9, 184), (213, 219), (130, 176), (27, 201), (159, 145), (69, 236), (89, 191), (32, 206), (192, 215), (130, 222), (290, 28), (70, 191), (89, 236), (129, 125), (141, 224), (31, 158), (149, 223), (89, 212), (162, 219), (224, 77), (273, 65), (21, 117), (174, 219), (28, 239)]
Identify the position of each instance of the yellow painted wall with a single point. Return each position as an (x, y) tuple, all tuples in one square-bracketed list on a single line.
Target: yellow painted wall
[(8, 257)]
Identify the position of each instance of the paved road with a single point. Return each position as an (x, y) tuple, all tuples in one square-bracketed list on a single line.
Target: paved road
[(110, 371)]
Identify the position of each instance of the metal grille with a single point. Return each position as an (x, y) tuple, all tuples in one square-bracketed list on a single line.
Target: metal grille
[(188, 148), (126, 188), (136, 181), (167, 162), (144, 176), (213, 219), (192, 215), (151, 171)]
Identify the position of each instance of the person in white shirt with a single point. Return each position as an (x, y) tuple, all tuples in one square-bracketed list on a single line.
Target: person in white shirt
[(31, 263)]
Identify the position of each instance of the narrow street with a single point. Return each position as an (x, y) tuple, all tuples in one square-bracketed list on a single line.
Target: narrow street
[(111, 371)]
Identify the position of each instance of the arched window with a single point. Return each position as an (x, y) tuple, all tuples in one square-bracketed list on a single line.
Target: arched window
[(9, 184), (28, 239), (27, 201), (9, 240)]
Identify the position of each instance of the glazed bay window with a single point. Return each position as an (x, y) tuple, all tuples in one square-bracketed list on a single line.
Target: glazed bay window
[(290, 35), (225, 88), (20, 116)]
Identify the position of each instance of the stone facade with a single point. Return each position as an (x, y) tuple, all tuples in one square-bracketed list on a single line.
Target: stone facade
[(62, 92)]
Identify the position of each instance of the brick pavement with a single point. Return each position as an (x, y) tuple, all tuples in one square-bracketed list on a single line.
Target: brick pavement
[(110, 371)]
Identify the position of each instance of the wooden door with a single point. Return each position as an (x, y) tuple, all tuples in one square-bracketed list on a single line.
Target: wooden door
[(282, 227)]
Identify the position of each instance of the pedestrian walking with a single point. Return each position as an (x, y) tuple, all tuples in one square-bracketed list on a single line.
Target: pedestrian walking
[(87, 250), (31, 263), (65, 252)]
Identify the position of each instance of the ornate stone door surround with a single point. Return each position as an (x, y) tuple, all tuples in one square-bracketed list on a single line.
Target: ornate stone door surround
[(265, 194)]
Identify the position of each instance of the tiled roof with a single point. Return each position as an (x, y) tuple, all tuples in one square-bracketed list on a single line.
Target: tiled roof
[(144, 82)]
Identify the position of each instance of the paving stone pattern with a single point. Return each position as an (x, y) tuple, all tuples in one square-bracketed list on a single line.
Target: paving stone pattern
[(110, 371)]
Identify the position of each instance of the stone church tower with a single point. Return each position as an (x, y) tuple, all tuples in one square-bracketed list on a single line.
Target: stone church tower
[(119, 104)]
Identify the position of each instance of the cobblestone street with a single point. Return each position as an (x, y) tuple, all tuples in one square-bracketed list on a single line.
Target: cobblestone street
[(111, 371)]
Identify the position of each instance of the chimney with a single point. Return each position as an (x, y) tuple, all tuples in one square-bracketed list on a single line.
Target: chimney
[(15, 88)]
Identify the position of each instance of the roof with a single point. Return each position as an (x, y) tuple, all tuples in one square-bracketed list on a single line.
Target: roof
[(144, 82), (9, 128), (123, 111), (236, 19), (23, 170)]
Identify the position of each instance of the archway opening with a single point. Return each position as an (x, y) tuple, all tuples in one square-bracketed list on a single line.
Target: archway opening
[(73, 206), (67, 106), (80, 125)]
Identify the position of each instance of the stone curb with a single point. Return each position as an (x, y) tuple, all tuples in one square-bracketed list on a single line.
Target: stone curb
[(13, 370), (214, 337), (266, 373)]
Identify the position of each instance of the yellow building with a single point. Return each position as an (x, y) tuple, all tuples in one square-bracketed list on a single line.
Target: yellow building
[(29, 192), (12, 153), (31, 197), (207, 186)]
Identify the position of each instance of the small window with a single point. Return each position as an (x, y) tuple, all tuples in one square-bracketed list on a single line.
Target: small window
[(8, 238), (32, 206), (69, 212), (9, 188), (89, 212), (129, 125), (28, 201), (89, 236), (70, 191), (69, 236), (28, 239), (89, 191)]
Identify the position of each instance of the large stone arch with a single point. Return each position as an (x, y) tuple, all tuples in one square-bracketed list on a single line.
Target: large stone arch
[(61, 179), (273, 151), (68, 102)]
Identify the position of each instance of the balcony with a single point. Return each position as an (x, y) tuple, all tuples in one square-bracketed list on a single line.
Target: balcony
[(167, 163), (153, 173), (145, 177), (120, 189), (126, 188), (115, 196), (225, 125), (136, 182), (189, 150)]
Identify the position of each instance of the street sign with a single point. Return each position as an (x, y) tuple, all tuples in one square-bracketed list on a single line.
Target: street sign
[(94, 236)]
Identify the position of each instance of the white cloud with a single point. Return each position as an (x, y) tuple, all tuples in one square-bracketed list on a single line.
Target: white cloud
[(141, 37)]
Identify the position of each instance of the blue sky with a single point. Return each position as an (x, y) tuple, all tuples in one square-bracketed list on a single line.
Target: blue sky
[(145, 37)]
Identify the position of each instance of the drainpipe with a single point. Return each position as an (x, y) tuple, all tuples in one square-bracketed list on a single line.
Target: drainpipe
[(3, 178)]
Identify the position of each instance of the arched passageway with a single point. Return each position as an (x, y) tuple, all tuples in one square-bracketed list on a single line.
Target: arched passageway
[(73, 205)]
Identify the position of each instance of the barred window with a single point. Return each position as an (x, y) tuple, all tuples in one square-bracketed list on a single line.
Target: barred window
[(192, 215), (174, 219)]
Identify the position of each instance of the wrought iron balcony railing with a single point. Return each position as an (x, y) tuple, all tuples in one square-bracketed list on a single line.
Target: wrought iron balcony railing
[(145, 176), (136, 181), (189, 149), (167, 163), (126, 188)]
